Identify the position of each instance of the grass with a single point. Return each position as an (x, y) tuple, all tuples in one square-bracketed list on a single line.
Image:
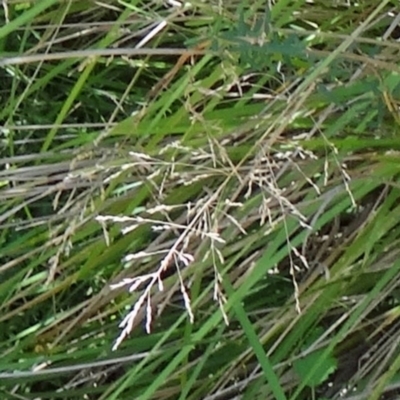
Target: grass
[(199, 201)]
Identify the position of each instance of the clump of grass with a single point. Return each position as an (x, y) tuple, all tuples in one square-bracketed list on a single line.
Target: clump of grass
[(211, 187)]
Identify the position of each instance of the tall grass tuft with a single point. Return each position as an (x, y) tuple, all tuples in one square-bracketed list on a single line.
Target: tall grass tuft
[(199, 200)]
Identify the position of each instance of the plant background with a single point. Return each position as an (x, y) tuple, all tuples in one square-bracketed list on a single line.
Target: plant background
[(199, 200)]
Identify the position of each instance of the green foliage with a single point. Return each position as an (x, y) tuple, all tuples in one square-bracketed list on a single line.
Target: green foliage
[(303, 365), (240, 160)]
